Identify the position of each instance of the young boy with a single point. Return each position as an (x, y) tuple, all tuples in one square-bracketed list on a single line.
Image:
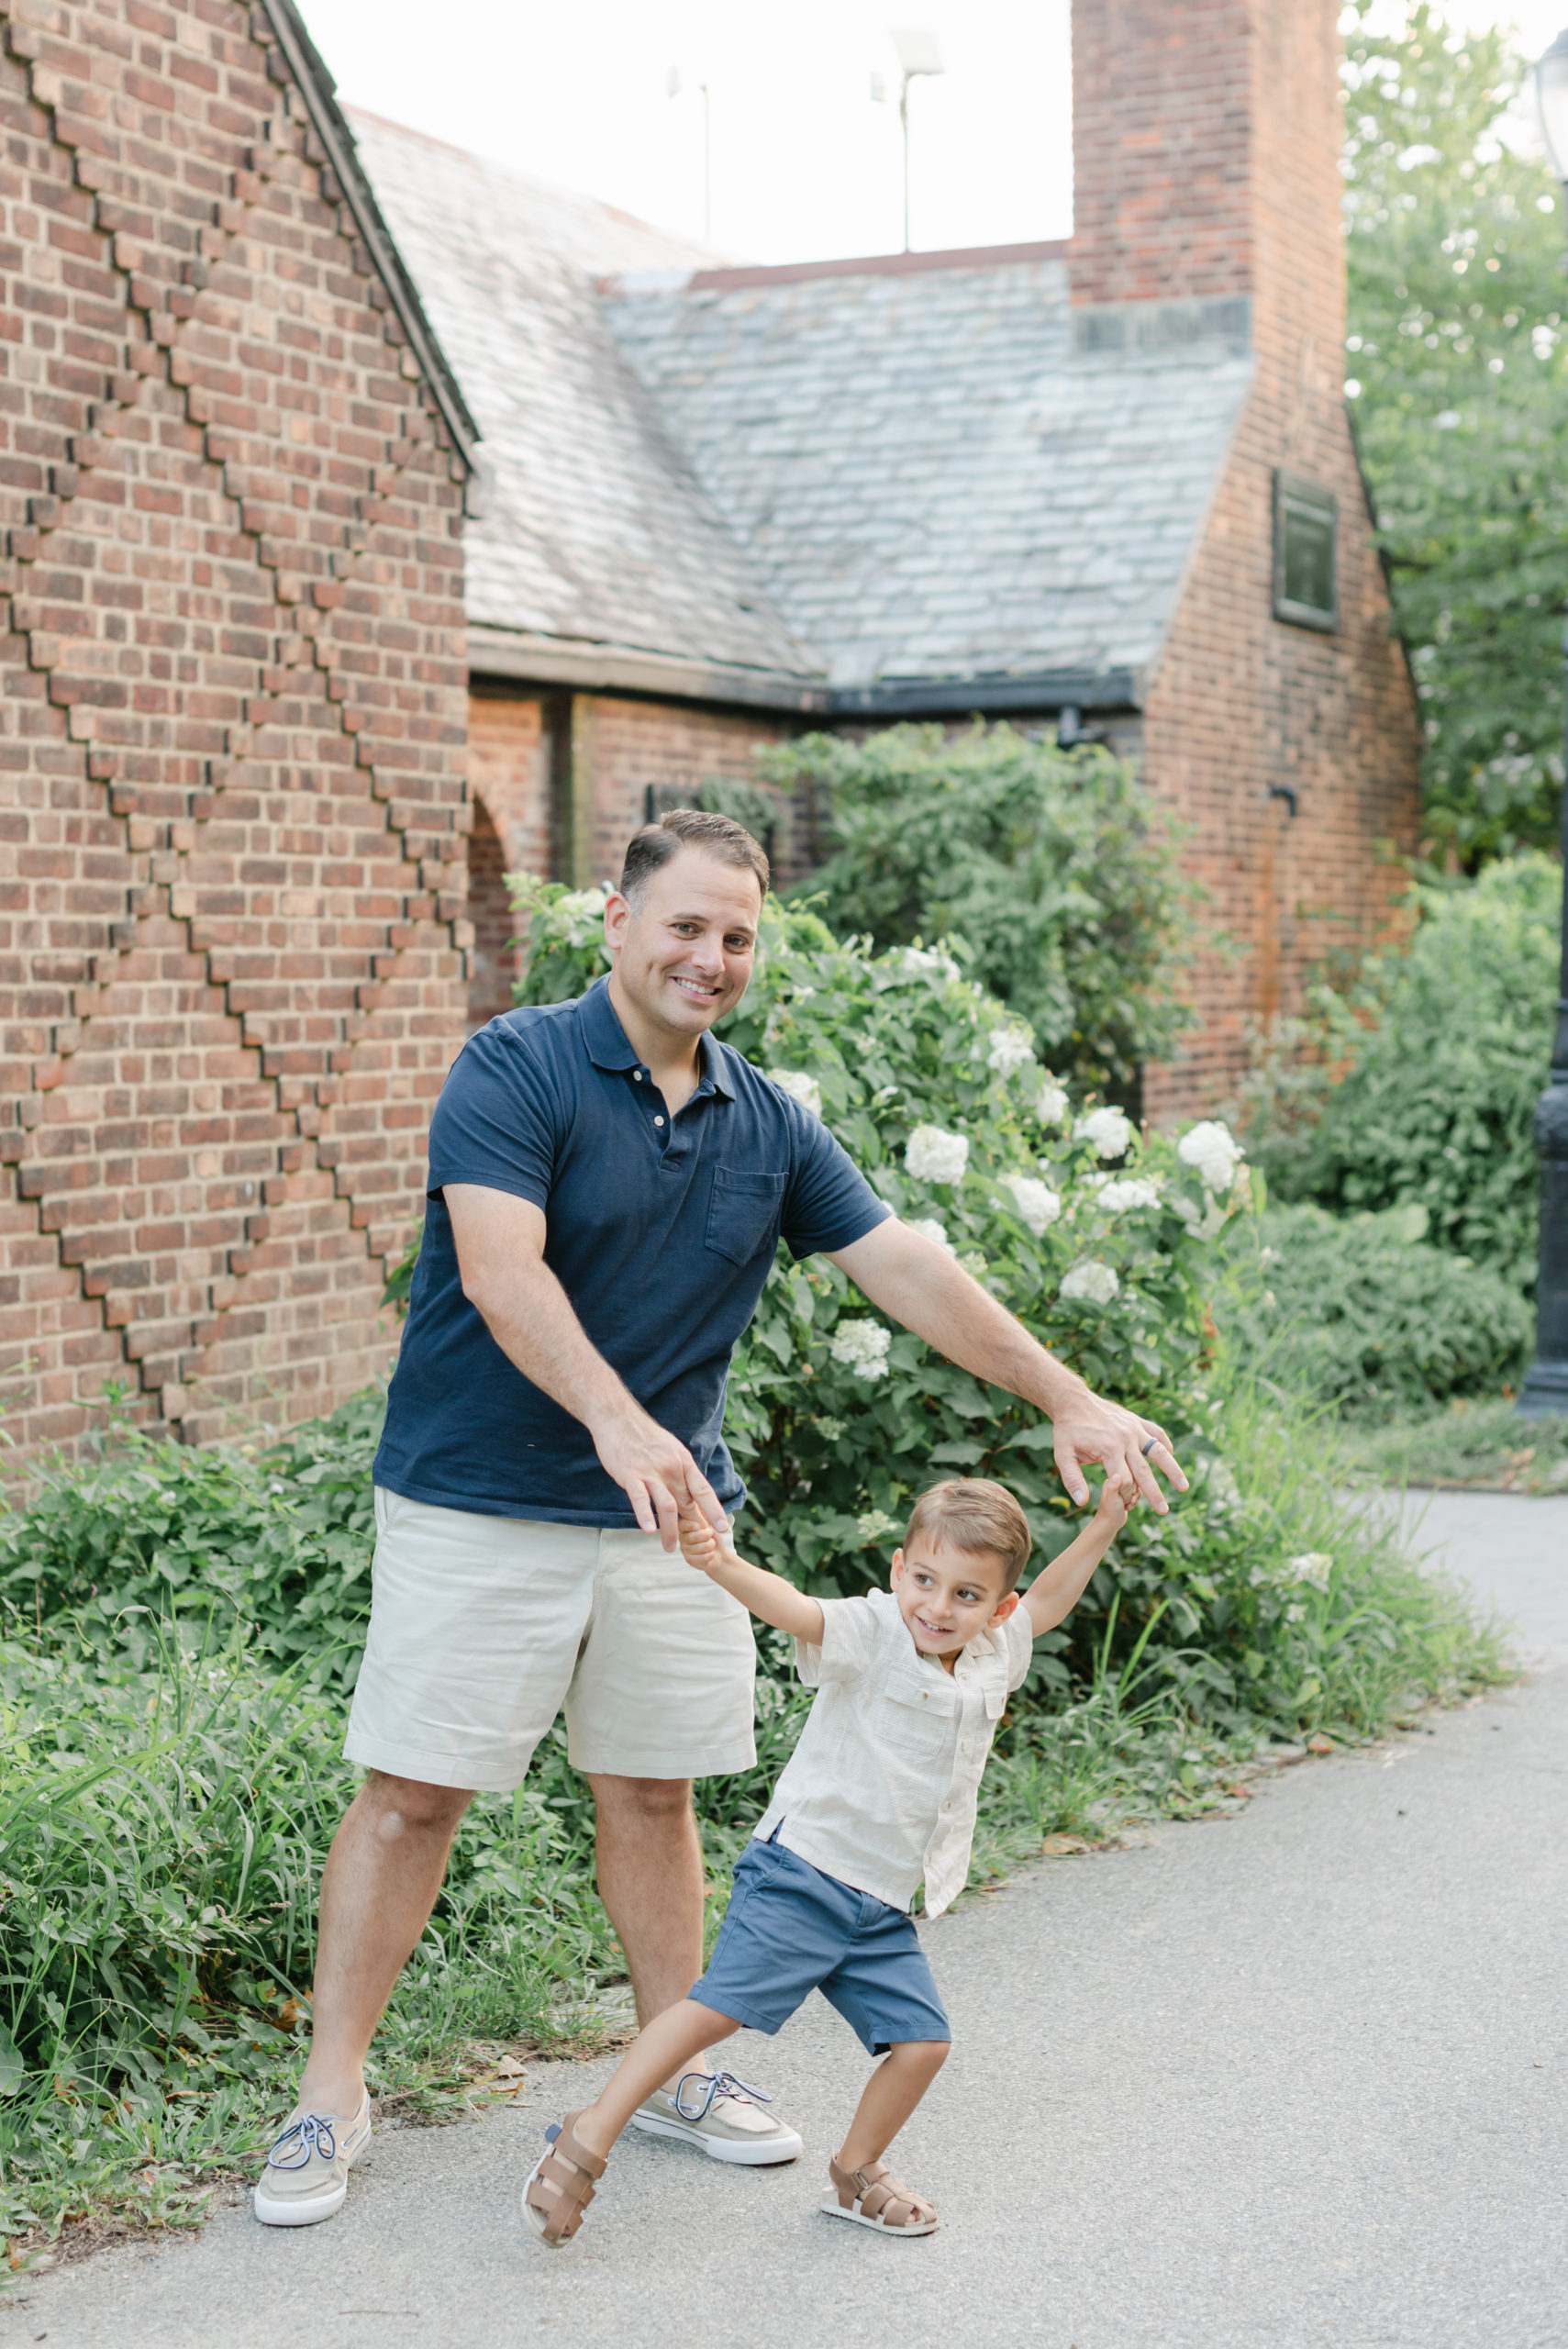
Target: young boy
[(878, 1796)]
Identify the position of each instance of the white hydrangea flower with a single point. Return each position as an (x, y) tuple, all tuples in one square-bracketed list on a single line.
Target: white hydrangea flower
[(833, 1428), (916, 963), (1091, 1280), (925, 962), (582, 911), (930, 1228), (1132, 1191), (1214, 1150), (1106, 1132), (800, 1086), (1011, 1050), (1314, 1566), (1038, 1205), (933, 1156), (862, 1346), (875, 1525), (1051, 1107)]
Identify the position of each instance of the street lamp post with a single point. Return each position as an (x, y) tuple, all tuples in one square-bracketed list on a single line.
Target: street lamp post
[(1546, 1387)]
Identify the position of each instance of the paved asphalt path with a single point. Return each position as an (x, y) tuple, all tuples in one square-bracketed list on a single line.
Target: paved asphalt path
[(1293, 2080)]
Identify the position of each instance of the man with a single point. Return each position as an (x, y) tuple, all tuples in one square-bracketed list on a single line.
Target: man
[(607, 1187)]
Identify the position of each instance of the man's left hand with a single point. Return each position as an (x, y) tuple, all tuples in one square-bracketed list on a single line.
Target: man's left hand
[(1090, 1428)]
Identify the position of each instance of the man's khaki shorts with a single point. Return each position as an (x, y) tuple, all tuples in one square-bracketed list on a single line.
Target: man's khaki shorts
[(482, 1627)]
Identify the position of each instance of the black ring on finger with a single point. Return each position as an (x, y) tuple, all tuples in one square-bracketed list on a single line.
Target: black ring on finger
[(1147, 1448)]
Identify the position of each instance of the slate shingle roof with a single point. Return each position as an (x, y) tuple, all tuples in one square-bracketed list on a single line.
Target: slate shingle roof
[(871, 482), (591, 530), (934, 482)]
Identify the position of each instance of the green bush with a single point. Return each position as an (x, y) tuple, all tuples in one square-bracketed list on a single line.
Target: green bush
[(1053, 867), (1445, 1047), (277, 1536), (1361, 1311)]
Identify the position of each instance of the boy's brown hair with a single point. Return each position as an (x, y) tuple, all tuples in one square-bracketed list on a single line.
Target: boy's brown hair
[(981, 1519)]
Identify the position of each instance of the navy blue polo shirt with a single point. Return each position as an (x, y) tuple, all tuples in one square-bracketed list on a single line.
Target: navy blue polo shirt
[(661, 1230)]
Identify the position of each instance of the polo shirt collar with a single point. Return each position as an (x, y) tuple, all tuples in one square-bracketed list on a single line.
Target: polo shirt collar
[(608, 1047)]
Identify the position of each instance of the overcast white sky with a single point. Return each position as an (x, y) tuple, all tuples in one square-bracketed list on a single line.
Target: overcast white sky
[(805, 165)]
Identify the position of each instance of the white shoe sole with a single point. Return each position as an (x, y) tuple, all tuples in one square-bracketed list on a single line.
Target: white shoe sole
[(835, 2209), (301, 2211), (761, 2152)]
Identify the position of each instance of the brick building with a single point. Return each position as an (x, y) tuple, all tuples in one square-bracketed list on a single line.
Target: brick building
[(232, 720), (1108, 485), (259, 738)]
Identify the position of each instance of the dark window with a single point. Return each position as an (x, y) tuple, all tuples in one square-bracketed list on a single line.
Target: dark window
[(1304, 525)]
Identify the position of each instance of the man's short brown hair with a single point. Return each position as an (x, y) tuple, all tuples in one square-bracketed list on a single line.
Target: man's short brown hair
[(982, 1520), (716, 836)]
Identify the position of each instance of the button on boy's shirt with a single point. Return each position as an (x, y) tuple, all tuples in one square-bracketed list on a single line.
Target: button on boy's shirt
[(661, 1230), (880, 1790)]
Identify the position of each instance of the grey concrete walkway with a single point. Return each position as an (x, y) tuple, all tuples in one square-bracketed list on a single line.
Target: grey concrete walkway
[(1297, 2080)]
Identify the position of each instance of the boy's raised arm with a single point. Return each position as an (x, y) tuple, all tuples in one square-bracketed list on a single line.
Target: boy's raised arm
[(1051, 1599), (765, 1595)]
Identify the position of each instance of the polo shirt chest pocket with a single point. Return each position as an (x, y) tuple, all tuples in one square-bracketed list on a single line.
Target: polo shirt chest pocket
[(912, 1713), (744, 1210)]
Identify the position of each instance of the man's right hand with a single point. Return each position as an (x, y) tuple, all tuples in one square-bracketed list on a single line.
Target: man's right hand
[(656, 1473)]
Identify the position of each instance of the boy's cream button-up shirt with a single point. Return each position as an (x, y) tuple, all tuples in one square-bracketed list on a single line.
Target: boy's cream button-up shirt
[(880, 1790)]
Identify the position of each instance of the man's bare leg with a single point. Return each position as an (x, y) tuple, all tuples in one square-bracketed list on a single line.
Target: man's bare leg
[(651, 1880), (378, 1888)]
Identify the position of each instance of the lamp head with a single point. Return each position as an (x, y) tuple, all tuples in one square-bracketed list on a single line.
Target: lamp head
[(918, 53), (1551, 98)]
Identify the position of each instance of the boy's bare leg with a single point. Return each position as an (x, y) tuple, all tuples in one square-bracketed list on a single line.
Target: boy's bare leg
[(893, 2091), (658, 2053)]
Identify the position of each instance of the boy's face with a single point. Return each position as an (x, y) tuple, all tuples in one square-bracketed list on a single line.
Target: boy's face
[(946, 1596)]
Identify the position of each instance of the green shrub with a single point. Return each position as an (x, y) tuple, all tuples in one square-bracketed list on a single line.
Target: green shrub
[(1361, 1311), (277, 1536), (1445, 1047), (1053, 867)]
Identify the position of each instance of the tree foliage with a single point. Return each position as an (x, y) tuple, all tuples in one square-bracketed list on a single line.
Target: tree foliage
[(1460, 394), (1440, 1052), (1053, 868)]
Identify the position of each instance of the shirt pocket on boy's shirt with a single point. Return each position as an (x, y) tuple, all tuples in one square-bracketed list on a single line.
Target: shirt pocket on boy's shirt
[(912, 1714)]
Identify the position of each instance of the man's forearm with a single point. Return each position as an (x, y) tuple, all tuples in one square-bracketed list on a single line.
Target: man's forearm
[(530, 1317)]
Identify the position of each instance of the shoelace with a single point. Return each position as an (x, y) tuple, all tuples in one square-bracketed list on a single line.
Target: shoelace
[(312, 2134), (709, 2086)]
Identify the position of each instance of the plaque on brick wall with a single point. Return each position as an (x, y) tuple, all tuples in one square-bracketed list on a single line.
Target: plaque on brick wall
[(1305, 520)]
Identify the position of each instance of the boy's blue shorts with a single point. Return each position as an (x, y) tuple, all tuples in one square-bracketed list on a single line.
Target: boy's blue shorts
[(790, 1930)]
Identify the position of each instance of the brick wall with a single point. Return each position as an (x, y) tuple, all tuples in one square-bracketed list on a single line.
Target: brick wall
[(1207, 149), (231, 727), (627, 745)]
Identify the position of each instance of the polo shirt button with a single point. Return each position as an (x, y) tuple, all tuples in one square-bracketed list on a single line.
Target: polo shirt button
[(658, 1121), (637, 1076)]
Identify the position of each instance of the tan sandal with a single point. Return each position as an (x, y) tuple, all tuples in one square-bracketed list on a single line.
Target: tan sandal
[(873, 2198), (556, 2194)]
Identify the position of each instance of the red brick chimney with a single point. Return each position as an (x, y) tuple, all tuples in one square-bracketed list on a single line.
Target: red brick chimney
[(1207, 137), (1208, 204)]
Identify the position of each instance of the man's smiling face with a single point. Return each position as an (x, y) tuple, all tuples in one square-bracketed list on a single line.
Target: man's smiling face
[(683, 956)]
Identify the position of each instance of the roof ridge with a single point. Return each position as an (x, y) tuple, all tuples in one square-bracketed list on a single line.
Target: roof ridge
[(319, 91), (916, 264)]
